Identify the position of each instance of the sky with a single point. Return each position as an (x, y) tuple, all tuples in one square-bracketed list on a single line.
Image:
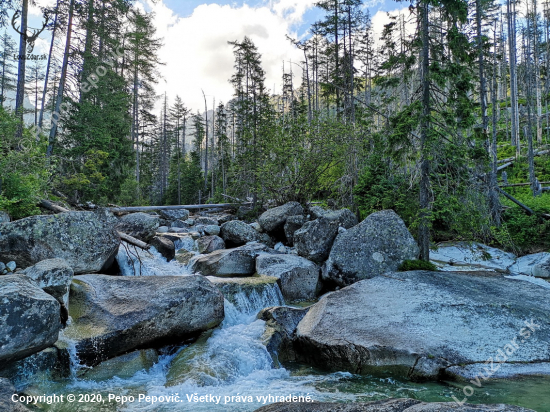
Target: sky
[(197, 56), (196, 33)]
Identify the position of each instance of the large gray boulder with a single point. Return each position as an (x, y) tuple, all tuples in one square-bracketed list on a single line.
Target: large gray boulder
[(53, 276), (297, 277), (86, 240), (237, 233), (239, 261), (176, 214), (139, 225), (428, 325), (113, 315), (29, 318), (273, 220), (378, 244), (123, 366), (389, 405)]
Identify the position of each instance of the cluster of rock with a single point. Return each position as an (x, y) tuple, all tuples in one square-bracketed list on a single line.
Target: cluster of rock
[(422, 325)]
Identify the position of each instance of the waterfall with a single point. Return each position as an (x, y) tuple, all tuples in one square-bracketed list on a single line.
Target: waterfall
[(134, 261)]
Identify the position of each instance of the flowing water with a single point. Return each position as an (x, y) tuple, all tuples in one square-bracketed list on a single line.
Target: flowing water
[(231, 362)]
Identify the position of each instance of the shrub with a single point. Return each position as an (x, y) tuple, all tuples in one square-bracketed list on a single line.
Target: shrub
[(417, 265)]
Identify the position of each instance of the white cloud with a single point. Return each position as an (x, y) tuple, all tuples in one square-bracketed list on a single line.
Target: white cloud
[(197, 54)]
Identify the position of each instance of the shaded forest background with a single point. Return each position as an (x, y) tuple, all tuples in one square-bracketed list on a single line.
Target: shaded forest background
[(443, 117)]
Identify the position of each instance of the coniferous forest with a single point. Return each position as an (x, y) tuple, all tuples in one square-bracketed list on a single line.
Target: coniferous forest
[(442, 117)]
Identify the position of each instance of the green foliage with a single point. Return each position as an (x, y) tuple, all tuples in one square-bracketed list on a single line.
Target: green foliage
[(23, 169), (522, 233), (417, 265), (185, 181)]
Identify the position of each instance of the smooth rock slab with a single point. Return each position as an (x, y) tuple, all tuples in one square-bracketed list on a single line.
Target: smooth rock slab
[(420, 323), (471, 255), (113, 315), (29, 318), (239, 261), (86, 240), (378, 244), (391, 405), (537, 264), (298, 278)]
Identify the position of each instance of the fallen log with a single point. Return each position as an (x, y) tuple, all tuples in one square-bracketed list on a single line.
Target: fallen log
[(520, 184), (517, 202), (191, 207), (127, 238), (504, 166), (133, 241)]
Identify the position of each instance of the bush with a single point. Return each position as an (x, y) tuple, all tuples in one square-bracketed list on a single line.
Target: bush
[(417, 265)]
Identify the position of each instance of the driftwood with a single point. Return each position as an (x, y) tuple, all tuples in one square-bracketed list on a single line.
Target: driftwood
[(127, 238), (153, 208)]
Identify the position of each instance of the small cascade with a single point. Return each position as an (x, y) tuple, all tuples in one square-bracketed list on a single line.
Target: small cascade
[(134, 261), (70, 346)]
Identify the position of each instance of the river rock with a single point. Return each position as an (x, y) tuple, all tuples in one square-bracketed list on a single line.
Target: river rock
[(378, 244), (53, 276), (389, 405), (165, 247), (209, 244), (139, 225), (226, 218), (11, 266), (273, 220), (212, 230), (239, 261), (29, 318), (184, 256), (315, 238), (205, 221), (298, 278), (179, 224), (124, 366), (281, 323), (86, 240), (177, 214), (537, 264), (113, 315), (45, 365), (467, 256), (163, 229), (423, 323), (237, 233), (292, 224), (6, 403)]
